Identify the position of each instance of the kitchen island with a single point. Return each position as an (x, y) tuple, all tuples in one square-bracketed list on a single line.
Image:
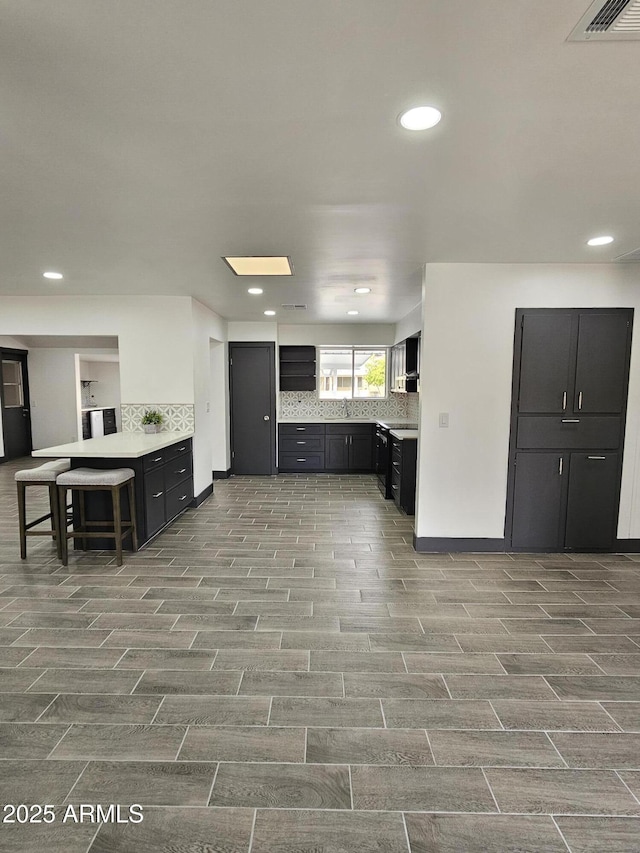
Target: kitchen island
[(163, 465)]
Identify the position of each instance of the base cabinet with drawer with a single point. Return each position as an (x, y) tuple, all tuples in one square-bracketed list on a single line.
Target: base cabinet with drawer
[(403, 473), (319, 447)]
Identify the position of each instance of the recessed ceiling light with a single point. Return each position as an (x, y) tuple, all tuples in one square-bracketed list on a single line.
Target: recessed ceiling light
[(420, 118), (55, 275), (600, 241), (255, 291), (270, 313), (260, 265), (353, 312), (362, 290)]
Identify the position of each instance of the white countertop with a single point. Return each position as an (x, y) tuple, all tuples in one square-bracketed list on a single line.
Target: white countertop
[(318, 420), (404, 433), (130, 445), (97, 408)]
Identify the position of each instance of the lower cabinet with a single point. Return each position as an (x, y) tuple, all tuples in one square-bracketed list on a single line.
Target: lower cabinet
[(323, 447), (167, 485), (403, 473), (565, 500)]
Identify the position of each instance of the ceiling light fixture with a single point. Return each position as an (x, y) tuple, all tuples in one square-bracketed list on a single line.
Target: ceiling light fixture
[(420, 118), (54, 275), (255, 291), (259, 265), (600, 241), (362, 290), (270, 313), (353, 312)]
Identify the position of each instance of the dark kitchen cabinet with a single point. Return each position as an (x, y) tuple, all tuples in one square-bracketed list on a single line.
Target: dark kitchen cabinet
[(404, 367), (301, 447), (297, 368), (570, 383), (403, 473), (349, 447)]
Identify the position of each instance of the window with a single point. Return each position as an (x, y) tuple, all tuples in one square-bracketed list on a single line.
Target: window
[(353, 372)]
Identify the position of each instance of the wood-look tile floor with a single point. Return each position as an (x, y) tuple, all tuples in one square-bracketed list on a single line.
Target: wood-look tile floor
[(281, 672)]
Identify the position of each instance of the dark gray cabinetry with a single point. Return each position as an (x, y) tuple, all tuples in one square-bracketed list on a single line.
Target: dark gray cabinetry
[(297, 368), (571, 371), (404, 368), (349, 447), (403, 473), (108, 420), (325, 447)]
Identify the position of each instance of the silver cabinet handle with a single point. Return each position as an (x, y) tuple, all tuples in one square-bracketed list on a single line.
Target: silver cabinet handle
[(265, 418), (564, 401), (183, 498), (596, 457), (560, 466), (570, 421), (301, 460), (580, 400), (158, 459), (181, 471), (301, 429), (159, 495), (180, 449), (301, 442)]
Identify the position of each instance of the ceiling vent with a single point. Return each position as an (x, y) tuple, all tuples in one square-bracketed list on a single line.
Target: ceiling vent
[(630, 257), (609, 20), (292, 306)]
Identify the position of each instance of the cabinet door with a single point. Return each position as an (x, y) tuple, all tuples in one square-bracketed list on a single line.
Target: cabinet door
[(545, 363), (592, 507), (538, 500), (337, 452), (154, 497), (601, 367), (361, 452)]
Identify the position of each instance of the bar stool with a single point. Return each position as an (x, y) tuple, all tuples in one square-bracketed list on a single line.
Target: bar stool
[(43, 475), (112, 480)]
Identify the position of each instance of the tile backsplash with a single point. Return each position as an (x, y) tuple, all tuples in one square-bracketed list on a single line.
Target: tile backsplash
[(178, 417), (305, 404), (413, 407)]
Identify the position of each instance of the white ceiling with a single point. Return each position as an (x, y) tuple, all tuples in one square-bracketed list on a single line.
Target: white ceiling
[(140, 141)]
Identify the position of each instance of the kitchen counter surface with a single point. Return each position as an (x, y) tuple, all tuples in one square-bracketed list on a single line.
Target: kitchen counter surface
[(119, 445), (404, 433), (382, 421), (97, 408)]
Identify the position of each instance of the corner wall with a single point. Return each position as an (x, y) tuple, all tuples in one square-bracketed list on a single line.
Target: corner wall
[(466, 365)]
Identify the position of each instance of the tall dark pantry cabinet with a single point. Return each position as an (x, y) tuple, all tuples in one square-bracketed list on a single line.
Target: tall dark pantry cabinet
[(569, 399)]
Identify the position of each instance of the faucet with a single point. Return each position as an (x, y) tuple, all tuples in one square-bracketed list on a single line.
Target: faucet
[(345, 408)]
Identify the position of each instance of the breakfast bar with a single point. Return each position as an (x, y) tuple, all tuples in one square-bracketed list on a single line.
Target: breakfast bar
[(163, 466)]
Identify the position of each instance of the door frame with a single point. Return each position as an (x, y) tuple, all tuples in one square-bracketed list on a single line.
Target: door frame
[(271, 346), (10, 351), (515, 384)]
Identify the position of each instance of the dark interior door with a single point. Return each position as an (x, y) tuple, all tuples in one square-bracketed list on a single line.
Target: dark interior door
[(592, 508), (601, 368), (14, 397), (253, 407), (538, 500), (545, 363)]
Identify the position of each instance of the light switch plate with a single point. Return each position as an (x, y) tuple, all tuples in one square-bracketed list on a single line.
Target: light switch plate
[(443, 419)]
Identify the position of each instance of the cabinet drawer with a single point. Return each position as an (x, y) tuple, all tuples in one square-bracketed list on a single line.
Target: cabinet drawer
[(178, 449), (349, 429), (179, 498), (301, 445), (571, 433), (109, 416), (154, 501), (152, 460), (177, 470), (301, 429), (301, 461), (396, 467)]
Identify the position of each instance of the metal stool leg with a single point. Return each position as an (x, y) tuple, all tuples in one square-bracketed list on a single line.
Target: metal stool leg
[(22, 519)]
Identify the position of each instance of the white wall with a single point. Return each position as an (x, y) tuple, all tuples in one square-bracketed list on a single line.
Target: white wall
[(466, 367), (154, 336), (409, 325), (240, 331), (328, 334), (106, 389)]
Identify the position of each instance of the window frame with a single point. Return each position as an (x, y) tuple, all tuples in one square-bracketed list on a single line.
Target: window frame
[(354, 348)]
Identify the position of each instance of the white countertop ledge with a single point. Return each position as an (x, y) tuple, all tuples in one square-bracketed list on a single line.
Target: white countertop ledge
[(404, 433), (119, 445)]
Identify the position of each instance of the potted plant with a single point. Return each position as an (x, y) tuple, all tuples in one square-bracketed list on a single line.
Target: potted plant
[(152, 421)]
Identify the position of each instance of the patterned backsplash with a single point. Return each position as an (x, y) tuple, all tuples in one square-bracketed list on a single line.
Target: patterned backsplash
[(413, 407), (178, 417), (305, 404)]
